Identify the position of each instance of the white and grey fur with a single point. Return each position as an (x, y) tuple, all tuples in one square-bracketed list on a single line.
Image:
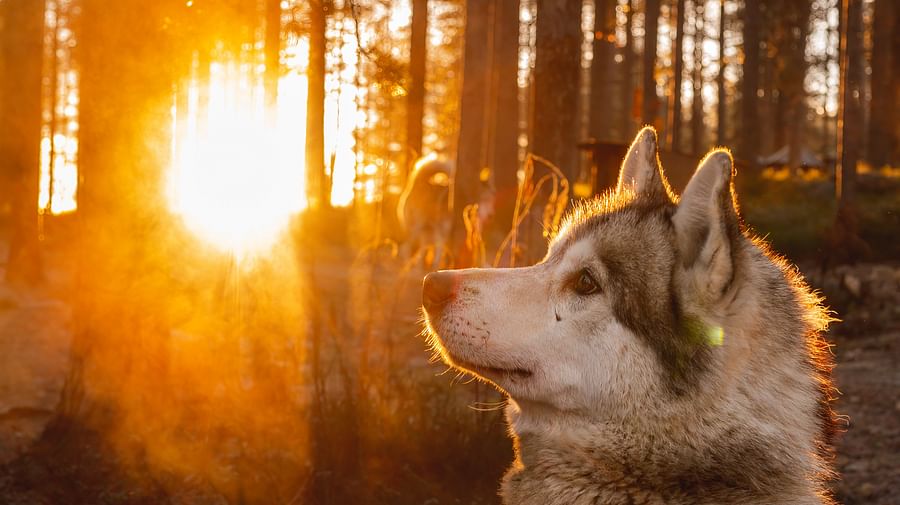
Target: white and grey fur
[(695, 374)]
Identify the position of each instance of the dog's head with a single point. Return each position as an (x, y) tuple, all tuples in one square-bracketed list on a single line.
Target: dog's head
[(623, 308)]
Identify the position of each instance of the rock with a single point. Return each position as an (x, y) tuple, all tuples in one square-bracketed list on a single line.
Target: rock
[(860, 467), (853, 284), (867, 489)]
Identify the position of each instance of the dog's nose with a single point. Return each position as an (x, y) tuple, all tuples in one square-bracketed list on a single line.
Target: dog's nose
[(438, 290)]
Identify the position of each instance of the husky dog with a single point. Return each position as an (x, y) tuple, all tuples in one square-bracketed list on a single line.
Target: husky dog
[(423, 209), (659, 354)]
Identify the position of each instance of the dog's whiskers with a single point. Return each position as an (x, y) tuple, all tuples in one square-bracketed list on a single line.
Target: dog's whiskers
[(488, 406)]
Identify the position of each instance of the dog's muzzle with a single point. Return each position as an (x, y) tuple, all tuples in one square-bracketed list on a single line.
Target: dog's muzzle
[(438, 290)]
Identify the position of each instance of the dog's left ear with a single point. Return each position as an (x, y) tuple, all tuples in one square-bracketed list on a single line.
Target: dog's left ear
[(641, 170), (707, 225)]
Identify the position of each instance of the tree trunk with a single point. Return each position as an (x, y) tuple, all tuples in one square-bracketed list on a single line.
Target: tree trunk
[(750, 84), (649, 103), (697, 141), (506, 110), (774, 116), (117, 380), (720, 79), (627, 75), (20, 124), (846, 244), (850, 141), (881, 135), (894, 118), (602, 68), (557, 72), (273, 59), (415, 100), (470, 156), (779, 107), (318, 189), (826, 88), (794, 97), (674, 133)]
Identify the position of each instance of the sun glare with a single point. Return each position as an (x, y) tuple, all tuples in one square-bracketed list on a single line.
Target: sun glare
[(238, 178), (236, 182)]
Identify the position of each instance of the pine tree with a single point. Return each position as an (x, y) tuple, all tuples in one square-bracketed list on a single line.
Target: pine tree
[(20, 142), (505, 111), (557, 72), (602, 68), (881, 110), (675, 123), (318, 187), (749, 148), (649, 103), (415, 102)]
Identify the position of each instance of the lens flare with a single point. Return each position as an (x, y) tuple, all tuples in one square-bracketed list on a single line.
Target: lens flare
[(236, 182)]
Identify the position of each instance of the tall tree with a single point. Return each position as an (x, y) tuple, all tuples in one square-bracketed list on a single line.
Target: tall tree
[(557, 70), (470, 157), (881, 134), (847, 245), (120, 336), (826, 85), (627, 98), (750, 84), (697, 128), (602, 68), (720, 79), (415, 101), (674, 130), (649, 103), (505, 111), (20, 122), (795, 30), (273, 57), (318, 187), (850, 110), (894, 119), (769, 132)]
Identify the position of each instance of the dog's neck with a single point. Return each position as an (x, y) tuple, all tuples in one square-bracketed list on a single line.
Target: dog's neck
[(590, 462)]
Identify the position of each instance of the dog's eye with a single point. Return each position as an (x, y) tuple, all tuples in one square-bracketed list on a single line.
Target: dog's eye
[(585, 284)]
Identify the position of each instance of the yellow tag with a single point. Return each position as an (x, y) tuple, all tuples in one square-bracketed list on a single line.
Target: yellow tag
[(715, 335)]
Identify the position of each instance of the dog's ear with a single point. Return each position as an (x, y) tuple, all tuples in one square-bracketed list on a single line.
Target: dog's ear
[(641, 171), (707, 225)]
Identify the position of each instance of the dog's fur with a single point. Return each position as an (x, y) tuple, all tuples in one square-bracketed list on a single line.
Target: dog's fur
[(696, 374)]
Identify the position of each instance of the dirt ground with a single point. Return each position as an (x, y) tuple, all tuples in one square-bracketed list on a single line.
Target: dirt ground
[(866, 298), (868, 375), (34, 339), (34, 343)]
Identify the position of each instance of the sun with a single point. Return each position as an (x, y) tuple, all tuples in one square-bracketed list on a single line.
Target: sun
[(236, 190), (236, 181), (238, 170)]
